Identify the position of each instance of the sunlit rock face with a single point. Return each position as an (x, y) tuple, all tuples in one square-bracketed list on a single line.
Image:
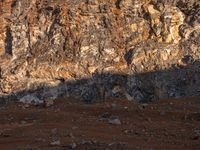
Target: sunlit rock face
[(147, 49)]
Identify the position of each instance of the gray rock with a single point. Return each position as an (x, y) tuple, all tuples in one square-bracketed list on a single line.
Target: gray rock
[(31, 99), (114, 121), (72, 145)]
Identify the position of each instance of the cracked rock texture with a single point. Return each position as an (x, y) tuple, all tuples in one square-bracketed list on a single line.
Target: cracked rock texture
[(142, 50)]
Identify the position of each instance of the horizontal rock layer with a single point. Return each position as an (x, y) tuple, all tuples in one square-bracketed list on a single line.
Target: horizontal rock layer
[(97, 49)]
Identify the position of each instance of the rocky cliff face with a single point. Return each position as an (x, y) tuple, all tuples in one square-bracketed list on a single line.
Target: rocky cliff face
[(98, 49)]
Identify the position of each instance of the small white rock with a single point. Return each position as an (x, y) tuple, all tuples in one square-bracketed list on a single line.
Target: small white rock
[(115, 121), (55, 143)]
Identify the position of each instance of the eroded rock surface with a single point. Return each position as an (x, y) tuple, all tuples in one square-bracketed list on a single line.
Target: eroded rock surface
[(148, 49)]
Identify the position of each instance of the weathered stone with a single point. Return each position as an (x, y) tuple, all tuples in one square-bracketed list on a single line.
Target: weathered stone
[(85, 49), (31, 99)]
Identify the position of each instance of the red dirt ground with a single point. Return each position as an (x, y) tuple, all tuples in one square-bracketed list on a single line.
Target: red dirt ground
[(167, 124)]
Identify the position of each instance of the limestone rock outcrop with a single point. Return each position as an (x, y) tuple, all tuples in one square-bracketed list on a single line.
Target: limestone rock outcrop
[(87, 48)]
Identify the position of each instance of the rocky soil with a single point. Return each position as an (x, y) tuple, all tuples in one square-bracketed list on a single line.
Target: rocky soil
[(92, 74), (111, 125), (141, 50)]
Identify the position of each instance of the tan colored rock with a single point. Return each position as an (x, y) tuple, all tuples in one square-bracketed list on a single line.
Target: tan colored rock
[(166, 23), (155, 19), (2, 44), (173, 19), (92, 69)]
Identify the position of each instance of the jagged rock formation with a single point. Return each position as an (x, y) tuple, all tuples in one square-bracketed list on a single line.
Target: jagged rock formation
[(87, 48)]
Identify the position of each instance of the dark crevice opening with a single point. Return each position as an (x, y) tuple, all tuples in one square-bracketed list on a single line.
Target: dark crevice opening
[(8, 47)]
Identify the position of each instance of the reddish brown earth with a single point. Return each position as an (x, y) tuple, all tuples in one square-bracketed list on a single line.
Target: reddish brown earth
[(167, 124)]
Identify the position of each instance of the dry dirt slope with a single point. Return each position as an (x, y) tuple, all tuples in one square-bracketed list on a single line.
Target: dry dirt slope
[(113, 125)]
